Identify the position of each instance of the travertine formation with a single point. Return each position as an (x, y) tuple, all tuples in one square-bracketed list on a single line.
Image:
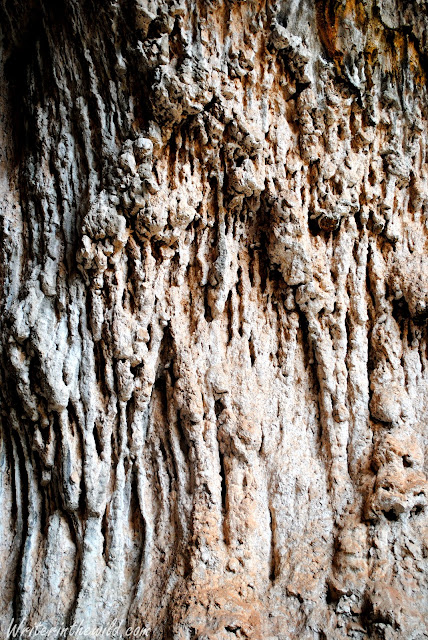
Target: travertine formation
[(214, 289)]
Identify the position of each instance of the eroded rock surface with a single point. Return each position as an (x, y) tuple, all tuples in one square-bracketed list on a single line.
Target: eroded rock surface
[(214, 300)]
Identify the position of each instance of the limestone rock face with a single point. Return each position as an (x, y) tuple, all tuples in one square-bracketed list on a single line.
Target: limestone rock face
[(214, 302)]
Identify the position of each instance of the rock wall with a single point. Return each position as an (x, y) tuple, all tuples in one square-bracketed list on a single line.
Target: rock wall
[(214, 290)]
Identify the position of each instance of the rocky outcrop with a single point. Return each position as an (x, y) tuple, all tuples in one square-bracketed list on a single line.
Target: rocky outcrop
[(214, 301)]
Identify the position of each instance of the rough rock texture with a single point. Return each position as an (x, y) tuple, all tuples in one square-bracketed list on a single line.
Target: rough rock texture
[(214, 290)]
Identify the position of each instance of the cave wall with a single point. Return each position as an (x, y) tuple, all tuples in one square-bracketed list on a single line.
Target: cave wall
[(214, 290)]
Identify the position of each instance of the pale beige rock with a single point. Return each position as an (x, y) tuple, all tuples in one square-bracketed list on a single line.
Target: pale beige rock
[(214, 301)]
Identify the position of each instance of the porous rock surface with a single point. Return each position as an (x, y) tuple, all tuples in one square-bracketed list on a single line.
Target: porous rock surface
[(214, 293)]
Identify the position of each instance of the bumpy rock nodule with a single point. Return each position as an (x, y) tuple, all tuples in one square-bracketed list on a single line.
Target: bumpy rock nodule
[(214, 299)]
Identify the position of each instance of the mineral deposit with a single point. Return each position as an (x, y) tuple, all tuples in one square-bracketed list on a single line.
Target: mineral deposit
[(214, 302)]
